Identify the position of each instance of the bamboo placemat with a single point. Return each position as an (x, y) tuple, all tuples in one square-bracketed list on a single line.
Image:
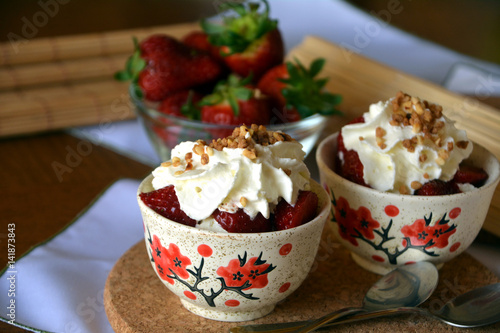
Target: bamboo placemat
[(53, 83)]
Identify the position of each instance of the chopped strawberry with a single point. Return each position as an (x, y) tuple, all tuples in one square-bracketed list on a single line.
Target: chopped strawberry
[(438, 187), (350, 166), (295, 89), (168, 66), (164, 201), (288, 216), (249, 41), (241, 222), (471, 175), (234, 102), (182, 104)]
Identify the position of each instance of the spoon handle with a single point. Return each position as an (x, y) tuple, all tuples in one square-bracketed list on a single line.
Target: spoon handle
[(352, 317), (294, 326), (329, 318)]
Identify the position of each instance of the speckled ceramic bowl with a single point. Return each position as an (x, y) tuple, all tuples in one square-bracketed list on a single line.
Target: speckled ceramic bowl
[(231, 276), (384, 230)]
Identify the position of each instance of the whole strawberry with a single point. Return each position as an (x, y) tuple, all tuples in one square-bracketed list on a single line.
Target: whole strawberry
[(182, 104), (438, 187), (234, 102), (162, 65), (296, 92), (249, 41)]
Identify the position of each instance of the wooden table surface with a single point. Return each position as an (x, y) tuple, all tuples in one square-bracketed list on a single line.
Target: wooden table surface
[(38, 201)]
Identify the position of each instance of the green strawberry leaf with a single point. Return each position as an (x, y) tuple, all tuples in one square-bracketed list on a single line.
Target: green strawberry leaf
[(189, 109), (306, 93), (238, 31), (133, 67), (229, 91)]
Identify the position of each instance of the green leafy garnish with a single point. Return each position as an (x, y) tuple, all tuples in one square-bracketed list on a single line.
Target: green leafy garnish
[(134, 65), (232, 91), (189, 109), (238, 31), (306, 93)]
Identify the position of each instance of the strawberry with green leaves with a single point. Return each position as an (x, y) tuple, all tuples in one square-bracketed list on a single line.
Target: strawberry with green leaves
[(182, 104), (162, 65), (296, 91), (248, 40), (234, 102)]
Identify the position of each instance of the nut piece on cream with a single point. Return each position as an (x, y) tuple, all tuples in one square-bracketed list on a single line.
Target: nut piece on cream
[(251, 169), (406, 142)]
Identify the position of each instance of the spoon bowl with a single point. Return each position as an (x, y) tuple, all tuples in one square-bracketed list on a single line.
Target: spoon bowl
[(478, 307)]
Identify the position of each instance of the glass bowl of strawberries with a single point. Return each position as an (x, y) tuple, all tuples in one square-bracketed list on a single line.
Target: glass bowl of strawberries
[(406, 185), (227, 74)]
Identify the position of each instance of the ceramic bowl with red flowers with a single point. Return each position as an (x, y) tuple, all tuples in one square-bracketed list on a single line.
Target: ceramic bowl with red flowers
[(385, 230), (231, 276)]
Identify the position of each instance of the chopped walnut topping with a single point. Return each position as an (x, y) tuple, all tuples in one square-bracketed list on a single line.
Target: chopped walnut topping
[(198, 149), (450, 146), (287, 171), (420, 114), (197, 189), (361, 138), (247, 137), (179, 172), (426, 176), (243, 201), (210, 151), (166, 164), (422, 158), (189, 166), (176, 162), (204, 159), (410, 144), (248, 153), (415, 185), (404, 190), (462, 144)]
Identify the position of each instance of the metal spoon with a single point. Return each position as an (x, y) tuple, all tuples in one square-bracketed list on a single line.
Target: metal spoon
[(406, 286), (478, 307)]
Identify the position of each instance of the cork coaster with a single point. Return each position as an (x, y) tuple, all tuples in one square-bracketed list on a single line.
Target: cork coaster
[(136, 301)]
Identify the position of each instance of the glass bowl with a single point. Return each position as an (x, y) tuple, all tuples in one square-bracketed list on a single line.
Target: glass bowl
[(166, 131)]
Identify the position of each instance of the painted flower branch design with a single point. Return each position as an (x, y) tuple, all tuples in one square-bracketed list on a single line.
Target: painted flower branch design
[(356, 225), (239, 276)]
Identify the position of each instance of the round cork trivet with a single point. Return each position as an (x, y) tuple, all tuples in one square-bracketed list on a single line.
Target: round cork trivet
[(136, 301)]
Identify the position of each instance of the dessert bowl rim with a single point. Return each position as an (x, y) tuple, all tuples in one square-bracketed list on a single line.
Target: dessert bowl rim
[(323, 167), (323, 211)]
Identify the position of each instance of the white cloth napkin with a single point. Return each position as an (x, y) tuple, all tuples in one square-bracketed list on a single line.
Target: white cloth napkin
[(59, 285)]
